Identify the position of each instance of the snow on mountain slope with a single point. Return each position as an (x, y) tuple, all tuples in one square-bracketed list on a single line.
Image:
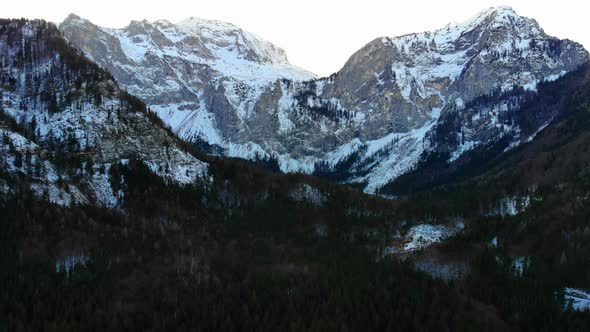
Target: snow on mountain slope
[(579, 299), (422, 236), (18, 155), (187, 70), (369, 123), (407, 90), (78, 116), (446, 53)]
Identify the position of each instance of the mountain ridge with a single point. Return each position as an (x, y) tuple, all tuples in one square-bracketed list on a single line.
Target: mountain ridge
[(370, 122)]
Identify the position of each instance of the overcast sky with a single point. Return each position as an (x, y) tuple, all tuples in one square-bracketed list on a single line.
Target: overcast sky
[(318, 35)]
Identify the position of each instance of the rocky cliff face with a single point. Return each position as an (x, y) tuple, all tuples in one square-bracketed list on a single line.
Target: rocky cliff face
[(369, 123), (65, 121), (203, 77)]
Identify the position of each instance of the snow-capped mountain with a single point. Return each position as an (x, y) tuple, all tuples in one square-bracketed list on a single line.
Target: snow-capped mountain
[(390, 105), (66, 121), (202, 77), (416, 83)]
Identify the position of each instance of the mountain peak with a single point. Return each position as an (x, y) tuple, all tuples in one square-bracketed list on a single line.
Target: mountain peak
[(494, 12), (75, 20), (492, 17), (200, 23), (250, 45), (72, 16), (495, 16), (499, 10), (139, 22)]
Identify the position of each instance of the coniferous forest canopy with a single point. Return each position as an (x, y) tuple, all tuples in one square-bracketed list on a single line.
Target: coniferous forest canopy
[(249, 248)]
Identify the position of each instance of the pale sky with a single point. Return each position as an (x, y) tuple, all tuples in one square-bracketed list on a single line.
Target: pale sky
[(318, 35)]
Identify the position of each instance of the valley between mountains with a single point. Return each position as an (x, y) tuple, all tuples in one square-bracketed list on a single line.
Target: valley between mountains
[(186, 176)]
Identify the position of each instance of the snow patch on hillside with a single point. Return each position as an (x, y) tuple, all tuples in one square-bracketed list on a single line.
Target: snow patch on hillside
[(511, 206), (101, 187), (401, 153), (68, 263), (308, 193), (44, 178), (304, 165), (190, 124), (343, 152), (520, 265), (579, 299), (422, 236)]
